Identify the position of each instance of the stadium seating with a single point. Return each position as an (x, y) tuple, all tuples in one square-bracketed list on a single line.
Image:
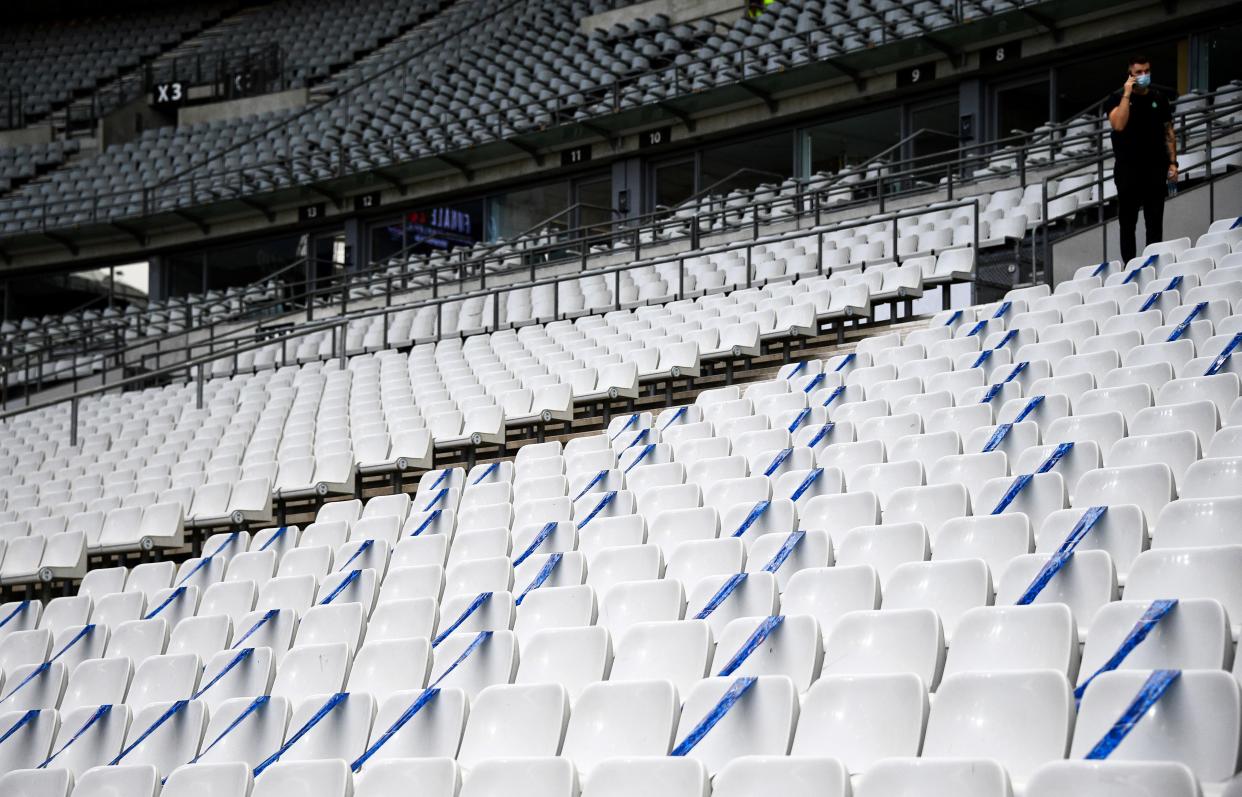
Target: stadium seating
[(897, 596)]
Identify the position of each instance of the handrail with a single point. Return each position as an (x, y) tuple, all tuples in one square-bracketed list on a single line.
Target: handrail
[(341, 323), (153, 196)]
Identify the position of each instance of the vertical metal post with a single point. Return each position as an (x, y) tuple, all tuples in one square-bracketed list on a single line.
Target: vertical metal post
[(198, 393), (73, 421)]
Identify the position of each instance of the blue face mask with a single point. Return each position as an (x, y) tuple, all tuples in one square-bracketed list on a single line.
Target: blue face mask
[(1143, 81)]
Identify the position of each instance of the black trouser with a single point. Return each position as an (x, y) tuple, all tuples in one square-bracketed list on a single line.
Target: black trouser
[(1147, 193)]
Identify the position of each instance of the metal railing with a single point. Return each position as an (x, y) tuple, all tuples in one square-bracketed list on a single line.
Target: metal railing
[(202, 183), (194, 368)]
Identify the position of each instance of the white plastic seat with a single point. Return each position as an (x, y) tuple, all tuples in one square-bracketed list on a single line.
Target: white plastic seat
[(571, 657), (139, 780), (1194, 634), (862, 719), (1113, 779), (1196, 722), (172, 744), (993, 538), (203, 780), (1043, 494), (493, 662), (793, 649), (327, 778), (950, 588), (1208, 572), (959, 776), (885, 642), (29, 744), (655, 777), (973, 717), (1086, 582), (37, 783), (760, 723), (1121, 531), (1196, 522), (828, 593), (613, 720), (755, 596), (999, 638), (312, 670), (795, 777)]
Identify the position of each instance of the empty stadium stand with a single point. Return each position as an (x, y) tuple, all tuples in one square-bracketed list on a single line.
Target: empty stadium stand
[(848, 479)]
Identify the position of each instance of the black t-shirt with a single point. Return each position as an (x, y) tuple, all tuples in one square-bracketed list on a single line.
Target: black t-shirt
[(1140, 149)]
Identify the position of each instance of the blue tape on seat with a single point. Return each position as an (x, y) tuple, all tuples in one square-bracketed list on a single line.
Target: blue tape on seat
[(722, 594), (953, 318), (799, 368), (204, 561), (172, 596), (1236, 223), (997, 437), (478, 601), (836, 392), (444, 474), (1062, 555), (755, 513), (316, 718), (849, 358), (540, 539), (735, 692), (596, 479), (45, 666), (1004, 308), (1100, 269), (991, 393), (646, 452), (802, 416), (543, 575), (479, 639), (1056, 456), (168, 714), (983, 357), (363, 548), (1152, 298), (427, 521), (605, 501), (1223, 357), (633, 419), (440, 496), (267, 615), (823, 432), (815, 382), (241, 656), (1030, 407), (681, 412), (777, 461), (1019, 484), (21, 607), (783, 553), (806, 484), (344, 585), (1006, 340), (1181, 328), (251, 707), (280, 532), (757, 638), (639, 436), (22, 721), (424, 697), (1150, 618), (488, 471), (1017, 371), (95, 716), (977, 328), (1152, 690)]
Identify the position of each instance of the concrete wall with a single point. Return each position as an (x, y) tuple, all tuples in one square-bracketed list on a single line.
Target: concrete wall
[(25, 136), (247, 106), (128, 122), (1185, 215)]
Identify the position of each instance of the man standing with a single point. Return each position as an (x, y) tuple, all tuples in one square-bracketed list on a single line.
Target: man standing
[(1145, 154)]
